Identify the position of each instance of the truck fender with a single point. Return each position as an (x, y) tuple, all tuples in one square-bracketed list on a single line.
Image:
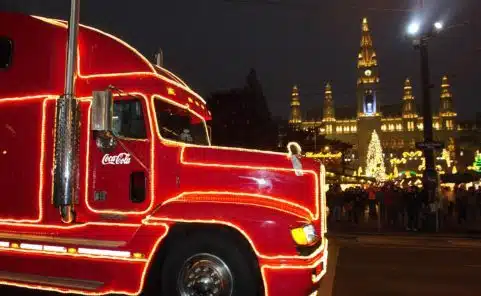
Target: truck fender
[(265, 224)]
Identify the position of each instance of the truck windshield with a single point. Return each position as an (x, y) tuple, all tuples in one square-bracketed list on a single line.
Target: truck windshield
[(178, 124)]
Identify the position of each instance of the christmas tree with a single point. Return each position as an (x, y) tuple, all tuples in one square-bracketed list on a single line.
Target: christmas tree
[(375, 160), (477, 162)]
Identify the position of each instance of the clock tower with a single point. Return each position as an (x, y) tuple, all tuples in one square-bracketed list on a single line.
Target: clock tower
[(368, 75), (368, 111)]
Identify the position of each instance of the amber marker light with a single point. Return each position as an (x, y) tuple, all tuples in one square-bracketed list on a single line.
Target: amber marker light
[(138, 255), (171, 91)]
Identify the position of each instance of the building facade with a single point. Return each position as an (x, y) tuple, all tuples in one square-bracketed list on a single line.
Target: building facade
[(398, 126)]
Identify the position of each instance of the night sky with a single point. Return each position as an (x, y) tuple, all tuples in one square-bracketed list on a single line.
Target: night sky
[(212, 44)]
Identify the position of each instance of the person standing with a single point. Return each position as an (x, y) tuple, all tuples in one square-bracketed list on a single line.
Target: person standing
[(472, 205), (389, 204), (371, 196), (413, 207)]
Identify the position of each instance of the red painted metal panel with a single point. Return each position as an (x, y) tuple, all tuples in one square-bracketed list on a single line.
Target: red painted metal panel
[(20, 159)]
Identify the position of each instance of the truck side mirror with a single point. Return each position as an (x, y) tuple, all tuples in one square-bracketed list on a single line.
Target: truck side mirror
[(102, 111), (209, 129), (102, 119)]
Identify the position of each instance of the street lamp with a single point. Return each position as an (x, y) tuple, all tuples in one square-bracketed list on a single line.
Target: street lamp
[(413, 28), (420, 36), (438, 26)]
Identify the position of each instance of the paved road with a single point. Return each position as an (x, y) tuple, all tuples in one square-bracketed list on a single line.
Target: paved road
[(380, 269)]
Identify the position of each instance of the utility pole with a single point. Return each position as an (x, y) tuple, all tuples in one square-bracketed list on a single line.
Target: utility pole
[(421, 37), (430, 177)]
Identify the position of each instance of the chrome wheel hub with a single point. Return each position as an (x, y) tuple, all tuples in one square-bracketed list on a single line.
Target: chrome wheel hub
[(205, 275)]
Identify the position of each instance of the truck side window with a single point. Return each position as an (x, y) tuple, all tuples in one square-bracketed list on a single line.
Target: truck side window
[(128, 121), (6, 50), (180, 124)]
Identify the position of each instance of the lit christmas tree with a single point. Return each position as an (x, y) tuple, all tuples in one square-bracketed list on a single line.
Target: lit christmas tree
[(477, 162), (375, 160)]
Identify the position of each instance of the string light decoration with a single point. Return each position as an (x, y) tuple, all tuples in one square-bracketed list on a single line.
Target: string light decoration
[(477, 163), (454, 170), (395, 172), (447, 157), (375, 162)]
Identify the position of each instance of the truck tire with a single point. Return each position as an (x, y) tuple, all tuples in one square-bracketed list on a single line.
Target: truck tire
[(209, 263)]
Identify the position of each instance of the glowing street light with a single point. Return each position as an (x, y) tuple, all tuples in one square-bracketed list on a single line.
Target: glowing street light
[(438, 26), (414, 28)]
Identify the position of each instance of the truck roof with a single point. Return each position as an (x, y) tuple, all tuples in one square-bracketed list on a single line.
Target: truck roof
[(38, 55)]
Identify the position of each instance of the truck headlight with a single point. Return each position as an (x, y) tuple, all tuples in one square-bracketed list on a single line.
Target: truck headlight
[(305, 235)]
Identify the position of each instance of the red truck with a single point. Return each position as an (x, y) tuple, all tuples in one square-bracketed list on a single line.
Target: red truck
[(140, 202)]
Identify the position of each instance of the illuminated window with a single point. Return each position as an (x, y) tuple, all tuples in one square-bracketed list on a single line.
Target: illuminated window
[(391, 127), (346, 129), (436, 125), (399, 127), (353, 128), (420, 126), (338, 129), (5, 52), (329, 129), (128, 119), (383, 127), (449, 124), (410, 126)]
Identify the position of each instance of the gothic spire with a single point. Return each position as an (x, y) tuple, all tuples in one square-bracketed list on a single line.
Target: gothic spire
[(367, 56), (295, 106), (328, 107), (409, 106), (446, 104)]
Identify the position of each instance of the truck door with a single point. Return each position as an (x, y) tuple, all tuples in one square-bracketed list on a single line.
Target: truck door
[(119, 177)]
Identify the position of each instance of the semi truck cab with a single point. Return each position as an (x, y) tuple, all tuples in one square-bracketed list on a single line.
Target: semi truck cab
[(156, 208)]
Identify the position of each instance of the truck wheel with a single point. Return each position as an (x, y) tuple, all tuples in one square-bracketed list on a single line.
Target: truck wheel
[(209, 264)]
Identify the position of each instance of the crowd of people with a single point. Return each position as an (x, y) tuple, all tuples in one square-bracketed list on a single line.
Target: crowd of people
[(409, 208)]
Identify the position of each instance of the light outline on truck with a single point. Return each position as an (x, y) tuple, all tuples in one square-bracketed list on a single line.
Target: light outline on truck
[(282, 266), (63, 24), (320, 213), (157, 222), (183, 146), (152, 162)]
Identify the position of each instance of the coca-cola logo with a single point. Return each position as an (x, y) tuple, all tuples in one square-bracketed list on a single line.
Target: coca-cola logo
[(121, 158)]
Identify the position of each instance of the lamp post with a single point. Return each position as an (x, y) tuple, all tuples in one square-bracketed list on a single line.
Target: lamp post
[(420, 38)]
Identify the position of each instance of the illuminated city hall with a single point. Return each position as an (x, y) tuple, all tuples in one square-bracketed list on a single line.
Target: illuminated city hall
[(398, 130)]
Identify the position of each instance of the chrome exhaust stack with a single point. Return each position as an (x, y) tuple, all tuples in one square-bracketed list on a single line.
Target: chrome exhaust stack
[(65, 187)]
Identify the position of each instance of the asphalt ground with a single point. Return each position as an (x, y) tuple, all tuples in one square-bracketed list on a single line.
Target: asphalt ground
[(397, 266)]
